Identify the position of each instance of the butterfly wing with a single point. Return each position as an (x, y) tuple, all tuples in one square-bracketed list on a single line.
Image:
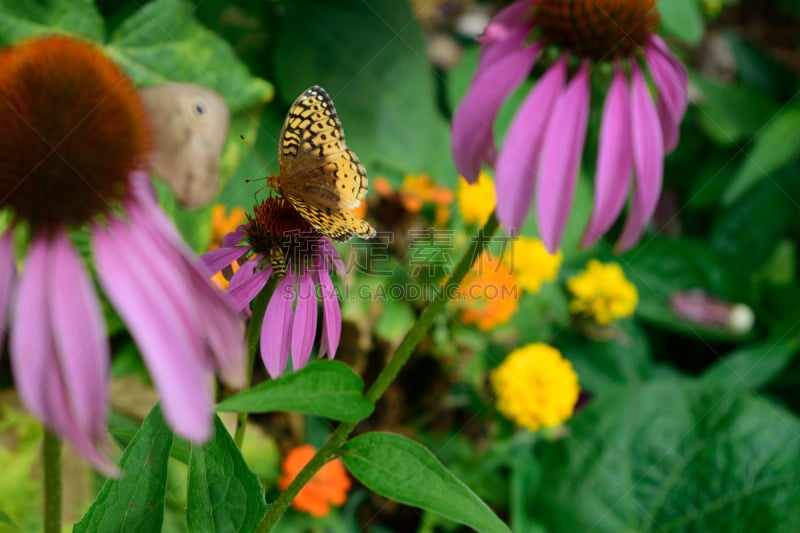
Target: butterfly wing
[(315, 163), (339, 224), (190, 126)]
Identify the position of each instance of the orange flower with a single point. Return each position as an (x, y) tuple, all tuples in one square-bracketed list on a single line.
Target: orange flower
[(221, 225), (416, 191), (489, 293), (327, 488)]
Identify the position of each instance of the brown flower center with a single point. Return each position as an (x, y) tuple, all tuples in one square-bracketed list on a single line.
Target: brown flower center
[(279, 232), (73, 129), (600, 30)]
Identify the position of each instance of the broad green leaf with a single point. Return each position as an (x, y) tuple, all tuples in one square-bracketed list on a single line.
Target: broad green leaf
[(19, 20), (603, 364), (324, 388), (777, 144), (5, 519), (730, 114), (754, 366), (224, 494), (162, 42), (661, 267), (135, 501), (370, 57), (683, 19), (674, 456), (747, 232), (400, 469)]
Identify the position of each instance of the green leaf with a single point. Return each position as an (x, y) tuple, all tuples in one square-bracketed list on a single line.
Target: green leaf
[(19, 20), (371, 58), (224, 494), (683, 19), (747, 233), (777, 144), (400, 469), (662, 266), (5, 519), (135, 501), (162, 42), (754, 366), (324, 388), (674, 456)]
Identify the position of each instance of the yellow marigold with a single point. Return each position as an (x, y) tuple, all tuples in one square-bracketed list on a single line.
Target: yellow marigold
[(602, 293), (328, 488), (488, 293), (221, 225), (477, 201), (532, 263), (536, 387)]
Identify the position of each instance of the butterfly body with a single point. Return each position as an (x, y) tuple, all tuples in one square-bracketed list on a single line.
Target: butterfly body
[(190, 126), (319, 175)]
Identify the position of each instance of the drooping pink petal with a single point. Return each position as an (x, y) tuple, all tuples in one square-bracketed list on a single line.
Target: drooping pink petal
[(519, 157), (671, 81), (504, 33), (38, 375), (143, 293), (330, 255), (648, 159), (473, 120), (246, 284), (277, 328), (218, 259), (234, 237), (304, 326), (561, 157), (8, 274), (614, 160), (79, 333), (331, 316)]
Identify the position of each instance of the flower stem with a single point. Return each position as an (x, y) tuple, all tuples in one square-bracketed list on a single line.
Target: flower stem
[(386, 376), (253, 334), (51, 459)]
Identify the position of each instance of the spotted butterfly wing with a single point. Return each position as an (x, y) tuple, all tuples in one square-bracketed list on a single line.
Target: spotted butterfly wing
[(319, 175)]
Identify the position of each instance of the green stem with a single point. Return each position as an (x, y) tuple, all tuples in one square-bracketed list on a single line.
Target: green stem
[(385, 378), (51, 459), (253, 334)]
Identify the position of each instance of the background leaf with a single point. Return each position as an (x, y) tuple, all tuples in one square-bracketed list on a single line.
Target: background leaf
[(135, 501), (224, 494), (405, 471), (324, 388), (19, 20)]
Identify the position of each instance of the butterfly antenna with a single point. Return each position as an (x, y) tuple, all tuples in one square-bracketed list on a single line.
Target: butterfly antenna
[(255, 153)]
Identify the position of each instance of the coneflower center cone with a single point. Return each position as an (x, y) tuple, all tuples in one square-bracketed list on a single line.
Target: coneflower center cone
[(600, 30), (73, 130)]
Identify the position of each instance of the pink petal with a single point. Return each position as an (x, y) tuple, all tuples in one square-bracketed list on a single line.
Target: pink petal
[(37, 371), (8, 274), (331, 254), (671, 81), (561, 157), (473, 120), (246, 284), (331, 316), (648, 160), (504, 33), (614, 160), (235, 237), (216, 260), (304, 326), (148, 298), (79, 334), (277, 328), (519, 157)]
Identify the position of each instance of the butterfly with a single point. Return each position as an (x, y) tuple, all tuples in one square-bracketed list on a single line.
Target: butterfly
[(190, 126), (318, 174)]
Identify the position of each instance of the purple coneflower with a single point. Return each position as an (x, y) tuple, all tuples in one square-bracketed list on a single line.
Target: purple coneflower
[(74, 136), (278, 241), (542, 150)]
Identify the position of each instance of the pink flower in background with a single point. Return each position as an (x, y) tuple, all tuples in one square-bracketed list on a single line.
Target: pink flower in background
[(542, 150), (277, 242), (74, 135)]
